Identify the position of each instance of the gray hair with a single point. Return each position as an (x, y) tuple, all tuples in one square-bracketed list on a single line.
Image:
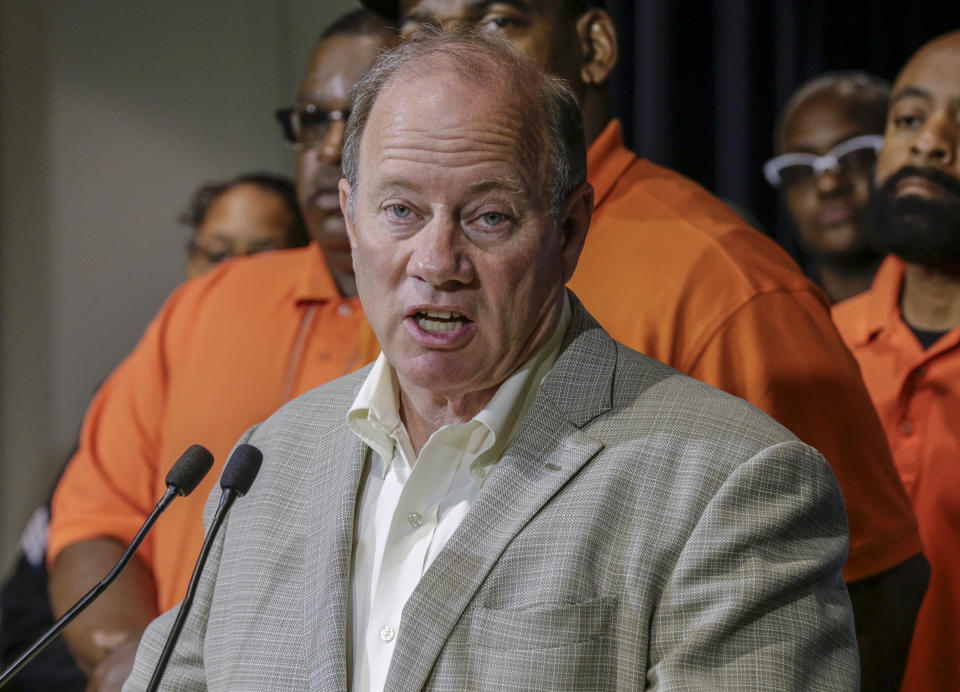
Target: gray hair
[(870, 93), (552, 113)]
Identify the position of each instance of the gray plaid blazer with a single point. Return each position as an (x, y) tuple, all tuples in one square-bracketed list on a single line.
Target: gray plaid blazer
[(643, 530)]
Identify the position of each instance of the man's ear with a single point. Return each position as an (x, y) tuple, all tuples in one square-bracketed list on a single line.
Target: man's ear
[(576, 221), (344, 187), (598, 41)]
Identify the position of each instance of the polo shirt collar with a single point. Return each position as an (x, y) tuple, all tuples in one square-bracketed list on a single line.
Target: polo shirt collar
[(883, 308), (607, 161), (315, 282)]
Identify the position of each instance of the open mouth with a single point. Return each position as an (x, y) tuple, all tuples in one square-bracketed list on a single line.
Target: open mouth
[(439, 320)]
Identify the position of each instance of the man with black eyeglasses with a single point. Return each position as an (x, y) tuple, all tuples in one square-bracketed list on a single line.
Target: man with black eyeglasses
[(827, 138), (223, 353)]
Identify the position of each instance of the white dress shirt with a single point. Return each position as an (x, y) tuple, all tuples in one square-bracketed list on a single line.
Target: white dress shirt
[(407, 512)]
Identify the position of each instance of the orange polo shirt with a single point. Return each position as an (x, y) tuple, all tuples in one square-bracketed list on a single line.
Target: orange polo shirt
[(917, 394), (225, 351), (671, 271)]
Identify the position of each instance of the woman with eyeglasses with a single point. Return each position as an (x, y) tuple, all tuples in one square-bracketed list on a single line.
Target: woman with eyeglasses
[(827, 137)]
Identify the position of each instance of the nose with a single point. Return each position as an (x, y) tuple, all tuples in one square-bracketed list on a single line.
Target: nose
[(329, 149), (831, 181), (439, 256), (936, 143)]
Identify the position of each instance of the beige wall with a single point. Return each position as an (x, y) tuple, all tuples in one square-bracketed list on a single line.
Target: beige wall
[(111, 113)]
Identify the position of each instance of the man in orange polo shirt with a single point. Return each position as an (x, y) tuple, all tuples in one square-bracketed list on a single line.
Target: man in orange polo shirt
[(669, 270), (225, 351), (905, 333)]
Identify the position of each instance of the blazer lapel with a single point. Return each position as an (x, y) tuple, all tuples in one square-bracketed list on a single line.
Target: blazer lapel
[(326, 581), (548, 450)]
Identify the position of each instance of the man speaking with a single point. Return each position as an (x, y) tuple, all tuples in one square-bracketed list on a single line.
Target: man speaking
[(507, 498)]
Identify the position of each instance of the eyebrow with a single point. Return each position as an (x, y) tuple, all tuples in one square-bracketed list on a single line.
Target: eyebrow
[(508, 184), (423, 16), (910, 92)]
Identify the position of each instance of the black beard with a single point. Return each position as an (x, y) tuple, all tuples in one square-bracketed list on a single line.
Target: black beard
[(916, 229)]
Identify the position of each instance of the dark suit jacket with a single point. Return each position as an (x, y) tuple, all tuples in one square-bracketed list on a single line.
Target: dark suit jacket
[(642, 530)]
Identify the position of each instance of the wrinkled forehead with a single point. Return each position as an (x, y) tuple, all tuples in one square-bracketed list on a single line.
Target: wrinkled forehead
[(436, 104)]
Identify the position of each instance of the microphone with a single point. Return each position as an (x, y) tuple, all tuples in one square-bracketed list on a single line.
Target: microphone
[(239, 474), (181, 480)]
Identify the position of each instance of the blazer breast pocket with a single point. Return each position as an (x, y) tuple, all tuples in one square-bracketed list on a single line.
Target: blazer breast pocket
[(543, 627), (564, 646)]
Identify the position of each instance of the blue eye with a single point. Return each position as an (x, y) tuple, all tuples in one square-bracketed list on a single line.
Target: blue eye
[(493, 218), (399, 211)]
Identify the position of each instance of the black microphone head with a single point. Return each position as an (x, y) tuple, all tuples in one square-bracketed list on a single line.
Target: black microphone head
[(190, 469), (242, 469)]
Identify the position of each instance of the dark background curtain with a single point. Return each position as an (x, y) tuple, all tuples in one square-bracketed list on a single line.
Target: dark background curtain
[(700, 82)]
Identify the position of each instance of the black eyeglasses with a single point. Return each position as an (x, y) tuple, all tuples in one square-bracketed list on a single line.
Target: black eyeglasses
[(801, 168), (307, 125)]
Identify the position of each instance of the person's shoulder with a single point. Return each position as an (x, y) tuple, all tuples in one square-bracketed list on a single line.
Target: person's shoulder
[(274, 271), (697, 229), (237, 291), (674, 402), (321, 407), (650, 398)]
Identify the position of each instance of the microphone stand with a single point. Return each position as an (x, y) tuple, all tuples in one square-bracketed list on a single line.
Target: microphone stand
[(81, 605), (226, 500)]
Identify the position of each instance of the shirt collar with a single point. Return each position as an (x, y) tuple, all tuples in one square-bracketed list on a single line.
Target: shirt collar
[(607, 161), (883, 308), (374, 415), (315, 282)]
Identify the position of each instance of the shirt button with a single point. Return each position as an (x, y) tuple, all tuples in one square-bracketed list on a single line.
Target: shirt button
[(416, 521), (387, 634), (344, 310), (906, 429), (481, 472)]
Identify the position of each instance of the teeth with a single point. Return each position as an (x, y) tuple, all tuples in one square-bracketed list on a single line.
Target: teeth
[(434, 326), (442, 314)]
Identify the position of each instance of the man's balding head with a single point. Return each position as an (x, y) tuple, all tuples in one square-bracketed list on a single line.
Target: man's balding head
[(917, 205), (466, 202), (549, 119)]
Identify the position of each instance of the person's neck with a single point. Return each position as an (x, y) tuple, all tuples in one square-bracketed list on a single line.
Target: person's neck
[(424, 412), (930, 301), (840, 282), (596, 113), (346, 284)]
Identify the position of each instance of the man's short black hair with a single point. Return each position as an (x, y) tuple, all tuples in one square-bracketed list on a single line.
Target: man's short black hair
[(208, 193)]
